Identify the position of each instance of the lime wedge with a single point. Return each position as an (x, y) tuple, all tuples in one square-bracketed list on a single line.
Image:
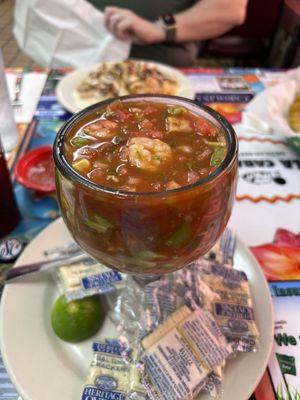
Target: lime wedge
[(78, 319)]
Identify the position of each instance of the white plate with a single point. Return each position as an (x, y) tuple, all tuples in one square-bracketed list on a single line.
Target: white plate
[(67, 86), (43, 367)]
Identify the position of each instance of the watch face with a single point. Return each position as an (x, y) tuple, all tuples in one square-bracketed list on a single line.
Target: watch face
[(168, 19)]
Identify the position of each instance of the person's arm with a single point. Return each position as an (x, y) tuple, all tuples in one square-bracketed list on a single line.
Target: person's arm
[(205, 20)]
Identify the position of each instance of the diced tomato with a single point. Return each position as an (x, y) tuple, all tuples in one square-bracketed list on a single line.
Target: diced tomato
[(111, 125), (149, 110), (205, 128), (124, 115), (146, 124), (100, 125)]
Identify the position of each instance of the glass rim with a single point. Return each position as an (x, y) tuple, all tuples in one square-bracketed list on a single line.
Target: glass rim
[(65, 168)]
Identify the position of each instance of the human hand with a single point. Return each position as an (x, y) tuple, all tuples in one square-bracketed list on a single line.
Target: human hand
[(126, 25)]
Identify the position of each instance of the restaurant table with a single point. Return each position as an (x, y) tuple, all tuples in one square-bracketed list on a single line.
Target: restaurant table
[(266, 215)]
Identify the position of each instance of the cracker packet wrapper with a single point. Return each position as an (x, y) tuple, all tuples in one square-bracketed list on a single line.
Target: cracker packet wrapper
[(87, 278), (160, 301), (112, 374), (233, 309), (223, 251), (180, 355)]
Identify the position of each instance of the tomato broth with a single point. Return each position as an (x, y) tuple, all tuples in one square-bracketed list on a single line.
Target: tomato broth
[(137, 146)]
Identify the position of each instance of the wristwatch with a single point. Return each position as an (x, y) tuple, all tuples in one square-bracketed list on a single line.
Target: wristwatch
[(168, 23)]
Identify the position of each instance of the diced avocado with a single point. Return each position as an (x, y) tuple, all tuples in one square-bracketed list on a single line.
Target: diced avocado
[(83, 165), (175, 110), (180, 236), (177, 125), (80, 141), (217, 156), (99, 224)]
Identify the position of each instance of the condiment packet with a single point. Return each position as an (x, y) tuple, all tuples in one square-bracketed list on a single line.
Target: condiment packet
[(181, 353), (112, 374), (233, 310), (194, 292), (223, 251), (87, 278)]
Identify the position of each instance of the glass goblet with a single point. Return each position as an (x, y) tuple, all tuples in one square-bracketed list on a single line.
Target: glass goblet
[(147, 234)]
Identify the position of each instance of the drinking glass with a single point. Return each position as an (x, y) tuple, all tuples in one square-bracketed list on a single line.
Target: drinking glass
[(9, 213)]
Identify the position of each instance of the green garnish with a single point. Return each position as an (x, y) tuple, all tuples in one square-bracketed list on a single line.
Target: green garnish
[(113, 178), (175, 111), (173, 143), (217, 156), (180, 236), (111, 175), (189, 166), (99, 224), (111, 171)]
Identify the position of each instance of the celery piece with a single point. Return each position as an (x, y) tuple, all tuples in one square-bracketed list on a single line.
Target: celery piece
[(214, 144), (180, 236), (79, 141), (99, 224), (217, 156)]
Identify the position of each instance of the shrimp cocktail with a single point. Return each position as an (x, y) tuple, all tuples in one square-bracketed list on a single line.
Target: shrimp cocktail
[(146, 183)]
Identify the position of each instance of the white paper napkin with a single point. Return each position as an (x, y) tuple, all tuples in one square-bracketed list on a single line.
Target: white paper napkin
[(31, 88), (69, 33), (269, 109)]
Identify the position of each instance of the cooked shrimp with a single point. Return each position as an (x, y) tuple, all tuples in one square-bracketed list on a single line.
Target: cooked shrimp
[(101, 128), (148, 154)]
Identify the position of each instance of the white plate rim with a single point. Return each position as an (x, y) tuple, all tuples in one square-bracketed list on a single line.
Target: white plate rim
[(65, 87), (58, 224)]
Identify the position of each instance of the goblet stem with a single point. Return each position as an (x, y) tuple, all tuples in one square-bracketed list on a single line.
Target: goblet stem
[(143, 280), (128, 308)]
